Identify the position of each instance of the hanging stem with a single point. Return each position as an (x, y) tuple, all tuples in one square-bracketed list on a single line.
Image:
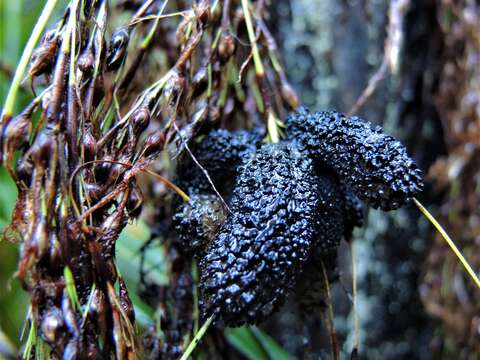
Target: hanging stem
[(449, 241), (259, 70)]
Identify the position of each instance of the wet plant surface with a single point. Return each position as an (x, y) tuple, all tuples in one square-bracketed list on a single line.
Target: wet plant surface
[(178, 117), (290, 204)]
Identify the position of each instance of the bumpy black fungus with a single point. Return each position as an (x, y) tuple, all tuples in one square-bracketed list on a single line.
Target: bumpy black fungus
[(198, 221), (220, 153), (290, 205), (353, 212), (254, 259), (375, 165)]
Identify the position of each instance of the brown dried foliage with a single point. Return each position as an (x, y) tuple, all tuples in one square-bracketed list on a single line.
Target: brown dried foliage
[(78, 165), (447, 292)]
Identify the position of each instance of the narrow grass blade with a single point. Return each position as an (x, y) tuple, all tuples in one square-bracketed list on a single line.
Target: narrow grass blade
[(196, 339), (245, 342), (27, 53), (274, 350), (449, 241)]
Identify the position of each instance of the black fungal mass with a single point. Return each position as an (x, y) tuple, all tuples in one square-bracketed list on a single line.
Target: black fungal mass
[(219, 154), (375, 165), (198, 221), (254, 259), (290, 204)]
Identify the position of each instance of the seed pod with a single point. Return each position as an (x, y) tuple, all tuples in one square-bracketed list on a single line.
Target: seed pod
[(202, 12), (125, 302), (39, 237), (55, 254), (226, 47), (52, 325), (253, 261), (102, 170), (376, 166), (134, 203), (89, 145), (199, 82), (117, 49), (140, 120), (44, 55), (86, 61), (17, 131), (154, 143), (94, 191), (24, 170), (43, 146)]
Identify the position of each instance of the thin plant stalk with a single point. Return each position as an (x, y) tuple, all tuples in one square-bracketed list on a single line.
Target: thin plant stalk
[(196, 339), (356, 321), (330, 317), (25, 58), (449, 241), (259, 70)]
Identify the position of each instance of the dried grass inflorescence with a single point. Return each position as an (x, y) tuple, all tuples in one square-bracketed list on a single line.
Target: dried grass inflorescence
[(110, 98)]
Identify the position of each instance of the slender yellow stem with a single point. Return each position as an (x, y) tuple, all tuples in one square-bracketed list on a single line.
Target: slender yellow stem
[(354, 300), (196, 339), (330, 316), (449, 241), (169, 184), (25, 58), (251, 35)]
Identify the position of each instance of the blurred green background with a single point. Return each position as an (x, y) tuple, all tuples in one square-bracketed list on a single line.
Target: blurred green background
[(17, 18)]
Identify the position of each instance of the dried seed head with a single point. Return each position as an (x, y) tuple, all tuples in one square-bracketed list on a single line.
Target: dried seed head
[(102, 170), (86, 61), (54, 256), (117, 49), (24, 170), (52, 324), (140, 120), (125, 301), (94, 191), (42, 149), (135, 202), (39, 238), (289, 95), (154, 143), (226, 47), (89, 145), (17, 132), (202, 13), (44, 55), (174, 87), (199, 81)]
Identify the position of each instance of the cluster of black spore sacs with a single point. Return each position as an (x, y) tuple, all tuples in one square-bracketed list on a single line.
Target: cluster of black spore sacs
[(289, 205)]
